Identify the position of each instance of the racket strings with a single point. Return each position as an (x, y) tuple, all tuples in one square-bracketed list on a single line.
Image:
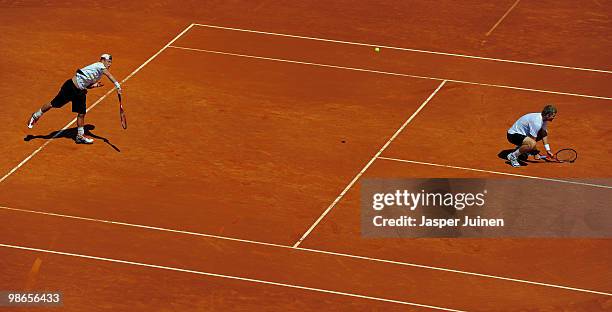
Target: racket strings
[(122, 112), (566, 155), (123, 119)]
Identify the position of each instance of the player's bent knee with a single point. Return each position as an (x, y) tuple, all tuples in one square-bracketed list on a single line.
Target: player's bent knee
[(531, 143)]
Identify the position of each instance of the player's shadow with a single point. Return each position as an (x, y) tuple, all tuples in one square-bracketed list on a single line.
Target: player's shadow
[(523, 161), (70, 133), (503, 154)]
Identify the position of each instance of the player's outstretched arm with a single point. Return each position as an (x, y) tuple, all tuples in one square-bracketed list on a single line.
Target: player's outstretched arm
[(546, 145), (113, 80)]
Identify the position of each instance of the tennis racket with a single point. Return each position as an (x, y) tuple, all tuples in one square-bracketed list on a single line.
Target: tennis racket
[(122, 113), (562, 156)]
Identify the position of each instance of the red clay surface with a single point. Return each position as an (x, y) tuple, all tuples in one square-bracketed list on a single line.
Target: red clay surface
[(252, 149), (281, 265), (399, 61), (473, 133)]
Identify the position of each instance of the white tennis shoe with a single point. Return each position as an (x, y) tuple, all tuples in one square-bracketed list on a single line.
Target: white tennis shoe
[(513, 160), (82, 139)]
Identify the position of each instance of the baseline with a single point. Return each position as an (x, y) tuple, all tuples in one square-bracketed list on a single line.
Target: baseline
[(307, 250), (245, 279)]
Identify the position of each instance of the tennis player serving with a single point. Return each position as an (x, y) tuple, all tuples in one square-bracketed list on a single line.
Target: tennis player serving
[(75, 90), (529, 129)]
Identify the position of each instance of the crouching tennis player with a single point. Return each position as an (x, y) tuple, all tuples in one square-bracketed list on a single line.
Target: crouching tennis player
[(75, 90), (529, 129)]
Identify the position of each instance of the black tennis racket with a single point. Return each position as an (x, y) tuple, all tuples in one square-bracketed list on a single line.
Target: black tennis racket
[(566, 155), (122, 113)]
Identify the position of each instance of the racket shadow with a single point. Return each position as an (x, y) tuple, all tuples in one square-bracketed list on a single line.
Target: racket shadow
[(70, 134)]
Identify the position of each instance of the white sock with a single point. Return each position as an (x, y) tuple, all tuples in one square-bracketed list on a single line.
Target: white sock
[(516, 153), (38, 113), (81, 131)]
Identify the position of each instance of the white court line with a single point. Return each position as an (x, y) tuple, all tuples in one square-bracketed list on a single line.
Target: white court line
[(498, 172), (23, 162), (391, 73), (502, 18), (244, 279), (382, 149), (405, 49), (427, 267)]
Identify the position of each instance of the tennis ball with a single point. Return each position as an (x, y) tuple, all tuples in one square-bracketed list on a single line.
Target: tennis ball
[(376, 49)]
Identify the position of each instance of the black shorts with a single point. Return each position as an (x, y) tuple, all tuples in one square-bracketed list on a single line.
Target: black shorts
[(516, 138), (70, 93)]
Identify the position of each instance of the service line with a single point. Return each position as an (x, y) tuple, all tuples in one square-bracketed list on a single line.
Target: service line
[(391, 73)]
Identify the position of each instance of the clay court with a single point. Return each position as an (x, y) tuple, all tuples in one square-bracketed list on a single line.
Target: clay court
[(236, 186)]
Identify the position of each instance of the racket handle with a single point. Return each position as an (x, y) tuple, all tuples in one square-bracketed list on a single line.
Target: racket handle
[(543, 157)]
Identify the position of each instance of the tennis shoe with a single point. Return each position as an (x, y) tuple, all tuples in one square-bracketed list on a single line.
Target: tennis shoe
[(33, 121), (513, 160), (82, 139)]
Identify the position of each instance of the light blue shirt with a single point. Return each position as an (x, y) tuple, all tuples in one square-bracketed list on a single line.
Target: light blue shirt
[(529, 124), (89, 75)]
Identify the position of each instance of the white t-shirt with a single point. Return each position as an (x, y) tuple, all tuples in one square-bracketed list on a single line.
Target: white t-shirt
[(529, 124), (89, 75)]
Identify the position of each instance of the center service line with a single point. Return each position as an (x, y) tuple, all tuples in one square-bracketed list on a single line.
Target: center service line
[(502, 18), (382, 149)]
